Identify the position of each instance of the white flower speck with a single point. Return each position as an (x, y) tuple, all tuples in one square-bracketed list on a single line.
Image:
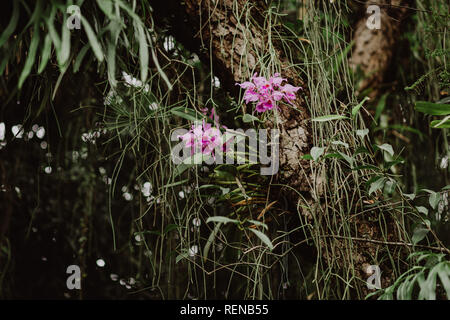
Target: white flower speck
[(2, 131), (193, 250), (444, 162), (169, 43), (128, 196), (101, 263), (196, 222), (40, 133), (216, 82), (147, 189), (17, 131)]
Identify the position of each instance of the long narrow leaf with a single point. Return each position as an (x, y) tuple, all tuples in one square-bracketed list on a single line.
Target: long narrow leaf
[(265, 239), (30, 57), (11, 25), (45, 56), (95, 45)]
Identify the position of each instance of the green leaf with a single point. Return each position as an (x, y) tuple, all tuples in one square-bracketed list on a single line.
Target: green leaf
[(223, 175), (390, 164), (210, 240), (340, 143), (389, 186), (185, 113), (106, 6), (79, 58), (64, 52), (45, 53), (316, 152), (410, 196), (259, 223), (11, 25), (366, 167), (441, 124), (380, 107), (332, 155), (111, 59), (174, 184), (423, 287), (143, 51), (388, 148), (377, 185), (30, 57), (443, 270), (95, 45), (52, 31), (355, 109), (347, 158), (362, 150), (181, 256), (434, 199), (422, 210), (419, 234), (5, 60), (329, 118), (263, 238), (170, 227), (404, 290), (362, 133), (249, 118), (160, 70), (221, 219), (430, 285), (434, 109)]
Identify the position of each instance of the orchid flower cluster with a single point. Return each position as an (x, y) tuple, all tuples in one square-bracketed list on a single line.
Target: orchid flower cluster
[(267, 93), (204, 137)]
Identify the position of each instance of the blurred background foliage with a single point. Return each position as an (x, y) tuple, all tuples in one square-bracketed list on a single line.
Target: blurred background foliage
[(86, 177)]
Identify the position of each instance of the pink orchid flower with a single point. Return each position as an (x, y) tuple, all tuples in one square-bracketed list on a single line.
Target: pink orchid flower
[(204, 137), (289, 92), (268, 92)]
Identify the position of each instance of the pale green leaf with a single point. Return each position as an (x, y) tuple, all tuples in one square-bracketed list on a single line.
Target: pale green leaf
[(30, 57), (263, 238), (316, 152), (221, 219), (249, 118), (355, 109), (377, 185), (388, 148), (92, 37), (419, 234), (329, 118)]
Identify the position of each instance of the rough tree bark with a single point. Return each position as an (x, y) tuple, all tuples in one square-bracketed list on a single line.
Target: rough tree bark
[(373, 49)]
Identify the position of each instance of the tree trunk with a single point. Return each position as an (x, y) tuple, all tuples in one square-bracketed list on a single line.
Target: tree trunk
[(374, 48)]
